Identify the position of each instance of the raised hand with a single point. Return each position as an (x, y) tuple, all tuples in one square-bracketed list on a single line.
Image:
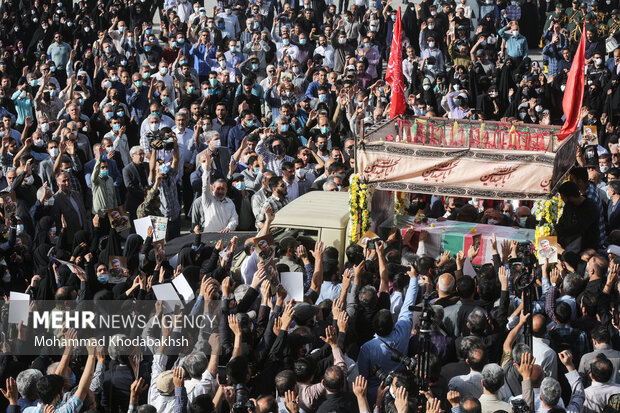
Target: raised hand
[(526, 366), (178, 376)]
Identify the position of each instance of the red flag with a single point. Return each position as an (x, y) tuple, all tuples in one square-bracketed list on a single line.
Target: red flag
[(394, 74), (573, 94)]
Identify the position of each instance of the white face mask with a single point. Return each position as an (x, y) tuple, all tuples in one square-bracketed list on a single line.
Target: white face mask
[(604, 168), (30, 180), (598, 61), (19, 228), (49, 201), (522, 115), (492, 221), (431, 44), (522, 222), (431, 26), (45, 127), (426, 87)]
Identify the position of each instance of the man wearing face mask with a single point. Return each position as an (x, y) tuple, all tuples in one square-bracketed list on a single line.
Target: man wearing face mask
[(219, 211), (259, 198), (613, 212), (231, 21), (104, 194), (244, 128), (46, 101), (250, 93), (343, 47), (242, 201), (166, 170), (516, 43)]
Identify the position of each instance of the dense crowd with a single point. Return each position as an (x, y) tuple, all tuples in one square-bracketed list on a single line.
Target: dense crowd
[(219, 119)]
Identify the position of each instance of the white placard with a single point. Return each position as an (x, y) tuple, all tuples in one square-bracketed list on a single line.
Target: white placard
[(19, 308), (142, 226), (159, 225), (167, 294), (183, 288), (293, 282)]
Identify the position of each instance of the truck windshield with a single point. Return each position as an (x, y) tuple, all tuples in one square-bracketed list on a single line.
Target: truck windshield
[(306, 237)]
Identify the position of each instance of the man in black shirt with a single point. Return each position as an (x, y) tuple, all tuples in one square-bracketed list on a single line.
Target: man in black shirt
[(578, 227)]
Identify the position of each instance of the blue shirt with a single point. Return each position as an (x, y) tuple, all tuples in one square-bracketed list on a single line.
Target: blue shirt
[(235, 136), (313, 89), (74, 404), (515, 46), (374, 352), (201, 54)]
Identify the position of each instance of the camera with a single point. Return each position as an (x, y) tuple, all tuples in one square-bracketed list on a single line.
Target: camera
[(409, 362), (525, 254), (519, 406), (242, 399), (386, 378), (158, 144)]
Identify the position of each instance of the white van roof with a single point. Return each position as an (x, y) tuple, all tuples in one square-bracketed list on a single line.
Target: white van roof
[(315, 209)]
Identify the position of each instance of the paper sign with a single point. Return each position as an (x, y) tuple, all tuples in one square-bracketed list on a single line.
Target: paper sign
[(183, 288), (167, 294), (19, 308), (293, 282), (159, 224), (142, 226), (76, 269), (468, 269)]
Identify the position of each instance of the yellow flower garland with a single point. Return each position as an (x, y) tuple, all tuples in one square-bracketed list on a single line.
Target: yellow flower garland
[(359, 214), (548, 214)]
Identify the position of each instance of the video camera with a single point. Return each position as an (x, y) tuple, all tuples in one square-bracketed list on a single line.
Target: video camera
[(242, 400), (166, 144), (386, 378)]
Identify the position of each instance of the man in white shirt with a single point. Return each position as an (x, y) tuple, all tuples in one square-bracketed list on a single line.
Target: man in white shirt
[(545, 356), (326, 51), (598, 394), (293, 189), (219, 211), (551, 392), (231, 22)]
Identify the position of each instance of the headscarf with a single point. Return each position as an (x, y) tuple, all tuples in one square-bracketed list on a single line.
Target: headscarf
[(132, 249), (41, 233)]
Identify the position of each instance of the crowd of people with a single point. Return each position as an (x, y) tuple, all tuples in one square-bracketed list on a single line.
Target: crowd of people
[(216, 120)]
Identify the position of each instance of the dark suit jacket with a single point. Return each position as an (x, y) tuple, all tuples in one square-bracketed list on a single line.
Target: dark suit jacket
[(136, 187), (614, 219), (63, 206)]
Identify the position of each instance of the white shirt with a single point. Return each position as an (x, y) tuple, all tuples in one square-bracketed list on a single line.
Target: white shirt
[(329, 290), (291, 50), (545, 357), (184, 139), (163, 404), (328, 55), (598, 394), (120, 145), (217, 214), (231, 22)]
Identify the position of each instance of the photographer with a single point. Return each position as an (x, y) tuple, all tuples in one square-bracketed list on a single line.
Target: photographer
[(164, 164)]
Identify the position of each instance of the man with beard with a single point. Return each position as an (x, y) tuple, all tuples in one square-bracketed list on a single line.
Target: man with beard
[(276, 201)]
